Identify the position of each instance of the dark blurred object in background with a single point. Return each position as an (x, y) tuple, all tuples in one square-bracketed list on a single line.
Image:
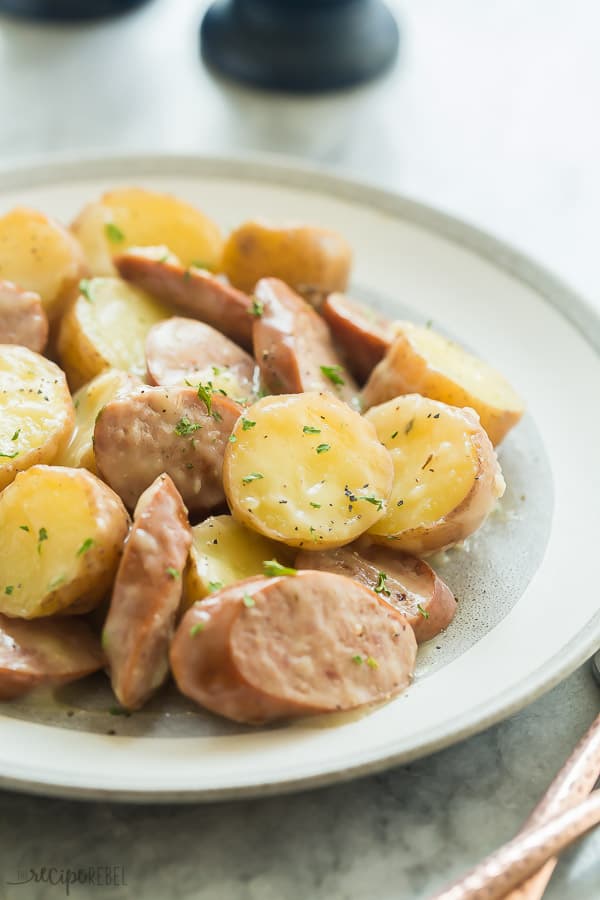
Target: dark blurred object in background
[(67, 10), (299, 45)]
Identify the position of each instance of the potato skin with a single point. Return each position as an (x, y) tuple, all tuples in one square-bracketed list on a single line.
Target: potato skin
[(38, 254), (36, 410), (132, 216), (67, 563), (312, 261), (406, 369), (470, 513)]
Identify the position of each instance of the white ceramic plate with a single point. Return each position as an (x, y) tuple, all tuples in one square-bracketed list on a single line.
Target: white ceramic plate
[(528, 608)]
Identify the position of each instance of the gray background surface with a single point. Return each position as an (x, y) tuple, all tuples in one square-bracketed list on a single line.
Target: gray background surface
[(492, 114)]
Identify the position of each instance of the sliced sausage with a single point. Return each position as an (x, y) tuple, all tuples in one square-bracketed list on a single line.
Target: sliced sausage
[(185, 349), (194, 291), (147, 594), (22, 318), (153, 430), (293, 347), (262, 650), (36, 652), (363, 335), (406, 582)]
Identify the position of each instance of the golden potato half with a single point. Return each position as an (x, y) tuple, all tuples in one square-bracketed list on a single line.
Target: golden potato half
[(106, 327), (36, 411), (88, 402), (62, 533), (224, 551), (307, 470), (446, 474), (133, 217), (312, 261), (38, 254), (422, 361)]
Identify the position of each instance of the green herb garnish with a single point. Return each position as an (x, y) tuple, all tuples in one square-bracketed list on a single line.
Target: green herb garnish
[(333, 373), (16, 434), (42, 536), (85, 289), (185, 427), (85, 546), (9, 455), (174, 573), (257, 308), (422, 611), (248, 601), (253, 476), (315, 505), (375, 501), (309, 429), (273, 568), (119, 711), (196, 629), (380, 587), (409, 427), (114, 233), (357, 659), (247, 424), (24, 527), (214, 586), (372, 663), (9, 589), (323, 448), (232, 439)]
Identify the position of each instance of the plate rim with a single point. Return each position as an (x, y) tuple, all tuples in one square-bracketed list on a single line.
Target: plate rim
[(580, 313)]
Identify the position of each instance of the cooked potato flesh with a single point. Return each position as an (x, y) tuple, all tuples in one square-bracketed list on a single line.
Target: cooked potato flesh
[(36, 411), (435, 461), (309, 471), (224, 551), (61, 533), (132, 217)]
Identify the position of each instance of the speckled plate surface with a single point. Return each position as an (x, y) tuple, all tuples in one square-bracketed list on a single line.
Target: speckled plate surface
[(528, 613)]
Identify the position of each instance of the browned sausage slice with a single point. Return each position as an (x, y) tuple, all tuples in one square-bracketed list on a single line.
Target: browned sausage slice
[(261, 649), (147, 594), (408, 583), (45, 651), (194, 291), (184, 349), (22, 318), (153, 430), (364, 335), (293, 347)]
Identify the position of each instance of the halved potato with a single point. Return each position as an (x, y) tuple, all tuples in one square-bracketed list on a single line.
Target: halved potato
[(133, 217), (61, 532), (312, 261), (446, 474), (421, 361), (88, 402), (38, 254), (306, 469), (36, 411), (224, 551), (106, 328)]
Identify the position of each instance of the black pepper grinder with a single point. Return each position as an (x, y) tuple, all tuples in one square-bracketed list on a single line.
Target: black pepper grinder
[(299, 45), (67, 10)]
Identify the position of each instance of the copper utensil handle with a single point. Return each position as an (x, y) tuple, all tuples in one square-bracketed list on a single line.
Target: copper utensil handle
[(514, 862), (574, 782)]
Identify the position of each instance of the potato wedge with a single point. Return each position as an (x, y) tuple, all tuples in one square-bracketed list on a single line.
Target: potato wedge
[(422, 361), (224, 551), (38, 254), (306, 469), (446, 474), (45, 652), (106, 328), (62, 533), (133, 217), (36, 411), (88, 402), (312, 261)]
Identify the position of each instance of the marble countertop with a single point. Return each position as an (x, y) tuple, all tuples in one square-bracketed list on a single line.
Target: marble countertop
[(492, 114)]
